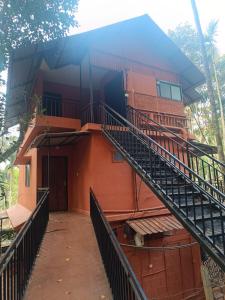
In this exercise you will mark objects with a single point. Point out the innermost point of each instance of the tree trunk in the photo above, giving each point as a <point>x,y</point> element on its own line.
<point>215,121</point>
<point>219,100</point>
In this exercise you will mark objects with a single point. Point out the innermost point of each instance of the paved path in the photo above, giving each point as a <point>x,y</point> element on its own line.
<point>69,265</point>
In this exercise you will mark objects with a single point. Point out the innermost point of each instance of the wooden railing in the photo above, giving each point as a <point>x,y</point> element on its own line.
<point>167,120</point>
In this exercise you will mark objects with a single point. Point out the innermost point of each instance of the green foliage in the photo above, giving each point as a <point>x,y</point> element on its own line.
<point>185,36</point>
<point>23,22</point>
<point>9,190</point>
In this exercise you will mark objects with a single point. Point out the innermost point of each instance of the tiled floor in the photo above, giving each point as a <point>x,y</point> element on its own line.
<point>69,265</point>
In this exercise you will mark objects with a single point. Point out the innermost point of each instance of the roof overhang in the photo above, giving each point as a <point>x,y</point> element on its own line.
<point>209,149</point>
<point>26,61</point>
<point>57,139</point>
<point>154,225</point>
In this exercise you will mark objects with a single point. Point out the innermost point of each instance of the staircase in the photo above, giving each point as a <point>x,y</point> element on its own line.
<point>170,172</point>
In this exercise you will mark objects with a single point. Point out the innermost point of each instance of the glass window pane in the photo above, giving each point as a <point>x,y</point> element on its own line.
<point>27,175</point>
<point>165,90</point>
<point>176,92</point>
<point>117,156</point>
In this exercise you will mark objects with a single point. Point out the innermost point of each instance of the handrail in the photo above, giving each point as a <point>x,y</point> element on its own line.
<point>122,278</point>
<point>176,135</point>
<point>16,263</point>
<point>211,170</point>
<point>172,157</point>
<point>196,204</point>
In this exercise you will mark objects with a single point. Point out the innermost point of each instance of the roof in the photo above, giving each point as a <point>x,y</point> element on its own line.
<point>25,61</point>
<point>54,139</point>
<point>199,147</point>
<point>154,225</point>
<point>18,215</point>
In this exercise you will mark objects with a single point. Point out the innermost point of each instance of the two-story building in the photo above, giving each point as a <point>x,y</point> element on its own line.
<point>69,88</point>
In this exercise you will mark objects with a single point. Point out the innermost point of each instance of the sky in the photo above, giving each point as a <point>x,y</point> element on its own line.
<point>166,13</point>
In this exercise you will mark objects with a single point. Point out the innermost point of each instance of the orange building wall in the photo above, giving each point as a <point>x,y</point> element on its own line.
<point>115,184</point>
<point>27,195</point>
<point>90,165</point>
<point>140,80</point>
<point>173,274</point>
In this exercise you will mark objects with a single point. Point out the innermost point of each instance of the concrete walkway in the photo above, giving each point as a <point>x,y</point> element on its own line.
<point>69,265</point>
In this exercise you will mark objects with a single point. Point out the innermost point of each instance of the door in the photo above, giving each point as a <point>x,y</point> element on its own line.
<point>114,94</point>
<point>58,198</point>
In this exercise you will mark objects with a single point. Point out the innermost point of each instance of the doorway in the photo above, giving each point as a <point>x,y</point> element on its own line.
<point>114,94</point>
<point>54,176</point>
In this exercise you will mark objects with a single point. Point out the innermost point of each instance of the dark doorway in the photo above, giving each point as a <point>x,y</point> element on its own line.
<point>57,166</point>
<point>114,94</point>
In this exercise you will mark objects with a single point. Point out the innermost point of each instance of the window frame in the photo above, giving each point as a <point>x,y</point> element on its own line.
<point>114,160</point>
<point>170,84</point>
<point>27,174</point>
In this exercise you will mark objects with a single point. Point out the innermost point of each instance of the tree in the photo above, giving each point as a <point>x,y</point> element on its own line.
<point>185,36</point>
<point>25,22</point>
<point>216,126</point>
<point>212,58</point>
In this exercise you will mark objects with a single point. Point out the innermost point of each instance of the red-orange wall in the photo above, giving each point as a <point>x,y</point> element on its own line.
<point>27,195</point>
<point>173,274</point>
<point>140,79</point>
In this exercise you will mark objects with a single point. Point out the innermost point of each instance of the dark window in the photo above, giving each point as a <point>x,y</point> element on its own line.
<point>117,157</point>
<point>27,175</point>
<point>168,90</point>
<point>52,104</point>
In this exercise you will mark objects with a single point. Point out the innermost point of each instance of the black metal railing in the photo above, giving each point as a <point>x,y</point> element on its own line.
<point>91,113</point>
<point>17,262</point>
<point>196,202</point>
<point>59,107</point>
<point>205,165</point>
<point>123,282</point>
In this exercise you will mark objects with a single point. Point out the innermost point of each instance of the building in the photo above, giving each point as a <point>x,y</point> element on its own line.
<point>102,106</point>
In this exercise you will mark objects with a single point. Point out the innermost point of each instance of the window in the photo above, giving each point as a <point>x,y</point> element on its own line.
<point>27,175</point>
<point>169,91</point>
<point>117,157</point>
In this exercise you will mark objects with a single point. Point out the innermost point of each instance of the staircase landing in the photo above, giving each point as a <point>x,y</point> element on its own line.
<point>69,265</point>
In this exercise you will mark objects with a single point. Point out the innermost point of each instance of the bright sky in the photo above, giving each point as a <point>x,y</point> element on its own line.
<point>166,13</point>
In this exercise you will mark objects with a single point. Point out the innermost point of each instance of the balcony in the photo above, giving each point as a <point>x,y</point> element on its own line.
<point>54,105</point>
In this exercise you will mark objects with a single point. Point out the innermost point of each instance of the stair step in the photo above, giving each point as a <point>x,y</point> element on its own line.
<point>215,215</point>
<point>191,202</point>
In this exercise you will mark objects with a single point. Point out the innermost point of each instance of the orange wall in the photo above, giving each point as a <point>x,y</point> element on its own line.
<point>173,274</point>
<point>90,164</point>
<point>140,79</point>
<point>27,195</point>
<point>115,184</point>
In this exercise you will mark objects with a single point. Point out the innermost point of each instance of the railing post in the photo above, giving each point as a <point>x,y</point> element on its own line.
<point>123,282</point>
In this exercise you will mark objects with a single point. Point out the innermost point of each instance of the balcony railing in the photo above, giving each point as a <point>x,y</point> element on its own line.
<point>17,262</point>
<point>122,279</point>
<point>65,107</point>
<point>167,119</point>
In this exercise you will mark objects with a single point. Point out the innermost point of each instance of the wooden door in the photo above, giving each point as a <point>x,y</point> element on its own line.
<point>58,198</point>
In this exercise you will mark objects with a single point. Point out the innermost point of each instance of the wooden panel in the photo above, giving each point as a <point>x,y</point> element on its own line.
<point>57,181</point>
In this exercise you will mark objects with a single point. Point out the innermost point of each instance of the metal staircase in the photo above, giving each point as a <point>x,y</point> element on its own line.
<point>196,201</point>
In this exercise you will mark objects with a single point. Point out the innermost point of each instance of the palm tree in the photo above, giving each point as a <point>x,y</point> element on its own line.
<point>213,54</point>
<point>212,98</point>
